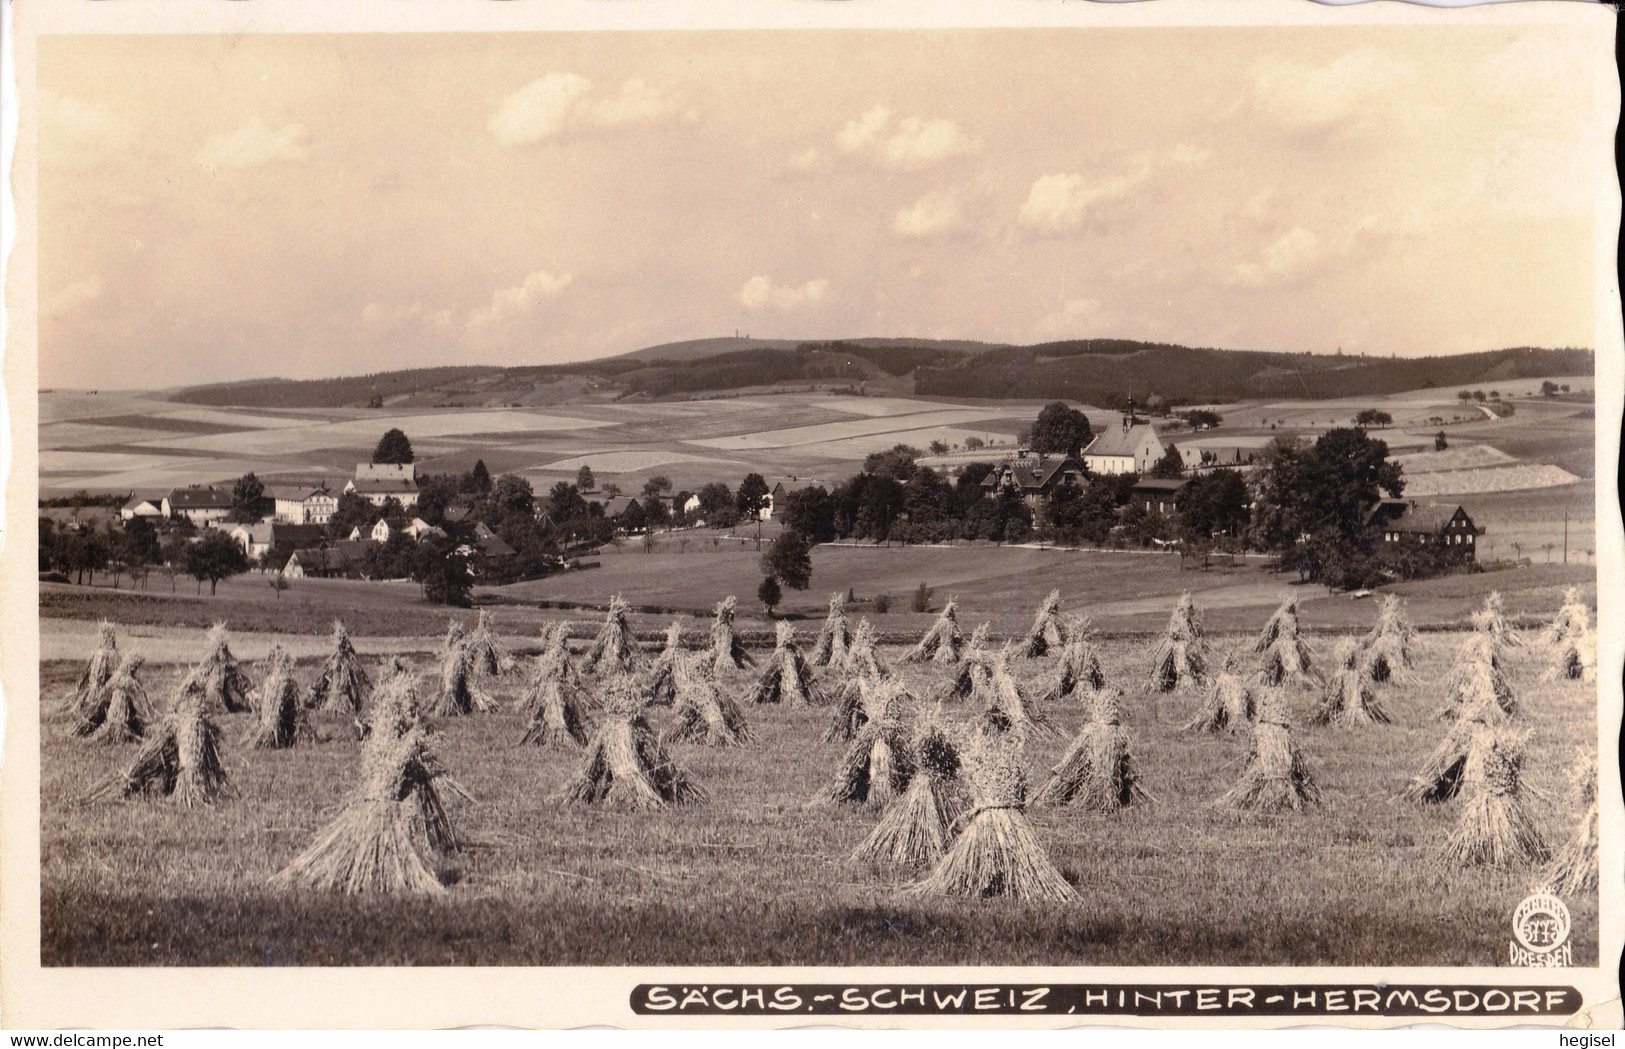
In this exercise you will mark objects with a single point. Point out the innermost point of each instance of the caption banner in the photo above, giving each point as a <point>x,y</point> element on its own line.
<point>1102,1000</point>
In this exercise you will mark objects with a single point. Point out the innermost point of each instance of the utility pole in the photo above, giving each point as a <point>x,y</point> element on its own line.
<point>1565,535</point>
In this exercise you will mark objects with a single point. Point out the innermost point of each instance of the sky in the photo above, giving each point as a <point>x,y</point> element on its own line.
<point>217,207</point>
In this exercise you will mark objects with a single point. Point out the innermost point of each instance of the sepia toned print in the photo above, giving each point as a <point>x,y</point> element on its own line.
<point>719,524</point>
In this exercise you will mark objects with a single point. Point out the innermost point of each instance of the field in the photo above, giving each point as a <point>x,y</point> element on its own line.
<point>756,875</point>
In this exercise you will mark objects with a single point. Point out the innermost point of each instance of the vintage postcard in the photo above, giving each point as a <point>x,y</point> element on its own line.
<point>754,515</point>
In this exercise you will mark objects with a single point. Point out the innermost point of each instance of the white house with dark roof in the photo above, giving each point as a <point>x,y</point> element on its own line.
<point>304,505</point>
<point>1033,476</point>
<point>138,505</point>
<point>1132,447</point>
<point>380,482</point>
<point>198,504</point>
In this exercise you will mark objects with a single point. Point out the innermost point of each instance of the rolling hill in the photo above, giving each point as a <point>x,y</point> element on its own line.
<point>1094,371</point>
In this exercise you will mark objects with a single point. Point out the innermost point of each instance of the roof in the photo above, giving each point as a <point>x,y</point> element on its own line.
<point>1032,471</point>
<point>383,486</point>
<point>1123,440</point>
<point>136,500</point>
<point>258,532</point>
<point>1161,484</point>
<point>794,484</point>
<point>283,532</point>
<point>1431,517</point>
<point>386,472</point>
<point>340,554</point>
<point>619,505</point>
<point>199,499</point>
<point>298,493</point>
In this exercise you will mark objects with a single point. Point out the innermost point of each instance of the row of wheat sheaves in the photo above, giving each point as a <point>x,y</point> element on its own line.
<point>950,787</point>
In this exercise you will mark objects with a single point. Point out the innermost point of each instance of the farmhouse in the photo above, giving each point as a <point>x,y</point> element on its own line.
<point>1158,495</point>
<point>1404,522</point>
<point>304,505</point>
<point>261,537</point>
<point>199,505</point>
<point>342,558</point>
<point>1033,476</point>
<point>380,482</point>
<point>1131,448</point>
<point>138,505</point>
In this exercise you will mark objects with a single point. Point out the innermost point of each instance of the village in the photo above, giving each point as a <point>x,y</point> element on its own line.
<point>1060,483</point>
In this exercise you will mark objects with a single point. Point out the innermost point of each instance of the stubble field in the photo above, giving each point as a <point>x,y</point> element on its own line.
<point>756,875</point>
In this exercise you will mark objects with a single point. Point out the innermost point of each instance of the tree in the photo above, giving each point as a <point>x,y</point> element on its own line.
<point>1439,443</point>
<point>1061,430</point>
<point>1313,501</point>
<point>564,503</point>
<point>513,498</point>
<point>612,490</point>
<point>1171,467</point>
<point>811,512</point>
<point>1213,504</point>
<point>393,447</point>
<point>279,583</point>
<point>789,560</point>
<point>443,570</point>
<point>769,593</point>
<point>478,480</point>
<point>938,447</point>
<point>752,497</point>
<point>247,499</point>
<point>1467,395</point>
<point>353,511</point>
<point>973,443</point>
<point>717,505</point>
<point>1202,418</point>
<point>584,478</point>
<point>1373,417</point>
<point>1548,388</point>
<point>897,462</point>
<point>215,557</point>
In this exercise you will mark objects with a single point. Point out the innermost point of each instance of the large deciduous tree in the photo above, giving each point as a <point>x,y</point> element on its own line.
<point>789,560</point>
<point>247,499</point>
<point>215,557</point>
<point>1313,501</point>
<point>393,447</point>
<point>1061,430</point>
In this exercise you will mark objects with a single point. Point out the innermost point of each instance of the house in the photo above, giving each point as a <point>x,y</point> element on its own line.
<point>389,526</point>
<point>1158,495</point>
<point>1033,476</point>
<point>380,482</point>
<point>419,528</point>
<point>626,512</point>
<point>200,505</point>
<point>342,558</point>
<point>261,537</point>
<point>304,505</point>
<point>1403,523</point>
<point>145,506</point>
<point>1132,447</point>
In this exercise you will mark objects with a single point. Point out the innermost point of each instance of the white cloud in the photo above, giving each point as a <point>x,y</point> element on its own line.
<point>761,293</point>
<point>562,102</point>
<point>932,214</point>
<point>254,144</point>
<point>1292,259</point>
<point>76,294</point>
<point>1313,98</point>
<point>910,143</point>
<point>509,303</point>
<point>807,159</point>
<point>1064,202</point>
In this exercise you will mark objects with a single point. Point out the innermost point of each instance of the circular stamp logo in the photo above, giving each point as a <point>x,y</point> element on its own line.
<point>1541,923</point>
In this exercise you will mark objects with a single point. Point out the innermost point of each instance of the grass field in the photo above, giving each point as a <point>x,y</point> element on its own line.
<point>756,876</point>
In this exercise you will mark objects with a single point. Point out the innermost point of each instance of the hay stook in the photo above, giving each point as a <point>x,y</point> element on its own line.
<point>1048,632</point>
<point>1180,659</point>
<point>914,831</point>
<point>878,764</point>
<point>119,711</point>
<point>787,679</point>
<point>997,854</point>
<point>179,758</point>
<point>1227,702</point>
<point>221,680</point>
<point>281,720</point>
<point>943,643</point>
<point>104,661</point>
<point>834,637</point>
<point>1287,659</point>
<point>1097,772</point>
<point>1350,696</point>
<point>704,714</point>
<point>554,700</point>
<point>1276,777</point>
<point>1003,708</point>
<point>1494,828</point>
<point>1573,869</point>
<point>1388,646</point>
<point>342,684</point>
<point>625,765</point>
<point>726,648</point>
<point>613,649</point>
<point>1078,670</point>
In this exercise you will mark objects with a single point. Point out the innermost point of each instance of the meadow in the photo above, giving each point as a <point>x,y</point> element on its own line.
<point>758,875</point>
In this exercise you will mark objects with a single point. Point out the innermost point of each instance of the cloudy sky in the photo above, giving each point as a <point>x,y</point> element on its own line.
<point>215,208</point>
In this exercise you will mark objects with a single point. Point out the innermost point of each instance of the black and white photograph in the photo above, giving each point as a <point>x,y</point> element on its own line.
<point>613,504</point>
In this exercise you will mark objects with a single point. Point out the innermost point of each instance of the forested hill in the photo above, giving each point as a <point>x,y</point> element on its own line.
<point>1095,371</point>
<point>1098,370</point>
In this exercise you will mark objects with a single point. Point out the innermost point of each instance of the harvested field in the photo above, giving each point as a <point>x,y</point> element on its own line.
<point>752,876</point>
<point>1490,479</point>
